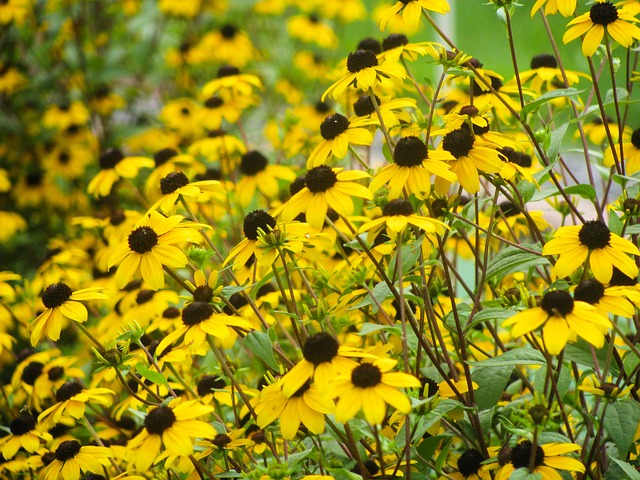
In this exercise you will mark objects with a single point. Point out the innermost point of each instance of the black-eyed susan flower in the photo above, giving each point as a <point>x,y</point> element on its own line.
<point>548,458</point>
<point>23,434</point>
<point>200,319</point>
<point>338,132</point>
<point>603,16</point>
<point>628,154</point>
<point>470,467</point>
<point>62,116</point>
<point>326,187</point>
<point>607,388</point>
<point>227,45</point>
<point>412,169</point>
<point>177,184</point>
<point>365,72</point>
<point>551,7</point>
<point>71,403</point>
<point>562,319</point>
<point>594,242</point>
<point>411,11</point>
<point>152,245</point>
<point>14,11</point>
<point>71,459</point>
<point>265,238</point>
<point>259,174</point>
<point>61,303</point>
<point>183,116</point>
<point>396,47</point>
<point>470,157</point>
<point>616,300</point>
<point>175,427</point>
<point>370,387</point>
<point>230,79</point>
<point>169,160</point>
<point>545,75</point>
<point>391,110</point>
<point>113,166</point>
<point>397,215</point>
<point>307,406</point>
<point>312,29</point>
<point>596,131</point>
<point>323,359</point>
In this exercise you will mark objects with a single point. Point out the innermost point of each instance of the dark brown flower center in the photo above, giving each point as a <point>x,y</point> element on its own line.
<point>366,375</point>
<point>68,390</point>
<point>22,424</point>
<point>56,294</point>
<point>163,156</point>
<point>590,291</point>
<point>142,239</point>
<point>370,44</point>
<point>159,419</point>
<point>203,293</point>
<point>398,206</point>
<point>320,348</point>
<point>361,59</point>
<point>144,296</point>
<point>196,312</point>
<point>594,234</point>
<point>394,40</point>
<point>110,158</point>
<point>458,142</point>
<point>410,152</point>
<point>173,182</point>
<point>469,462</point>
<point>229,31</point>
<point>333,125</point>
<point>320,179</point>
<point>221,440</point>
<point>635,138</point>
<point>558,303</point>
<point>256,221</point>
<point>544,60</point>
<point>67,450</point>
<point>364,106</point>
<point>521,455</point>
<point>252,163</point>
<point>208,383</point>
<point>603,13</point>
<point>31,372</point>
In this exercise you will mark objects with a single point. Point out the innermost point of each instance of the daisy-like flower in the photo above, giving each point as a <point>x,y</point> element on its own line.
<point>561,318</point>
<point>113,166</point>
<point>411,11</point>
<point>183,116</point>
<point>174,427</point>
<point>470,467</point>
<point>397,215</point>
<point>71,459</point>
<point>548,459</point>
<point>230,79</point>
<point>323,359</point>
<point>545,74</point>
<point>551,7</point>
<point>177,184</point>
<point>308,406</point>
<point>264,236</point>
<point>61,303</point>
<point>326,187</point>
<point>338,132</point>
<point>630,155</point>
<point>606,389</point>
<point>391,110</point>
<point>365,72</point>
<point>258,174</point>
<point>592,241</point>
<point>169,160</point>
<point>616,300</point>
<point>24,434</point>
<point>470,157</point>
<point>603,16</point>
<point>150,246</point>
<point>71,400</point>
<point>200,319</point>
<point>370,387</point>
<point>413,165</point>
<point>396,46</point>
<point>312,29</point>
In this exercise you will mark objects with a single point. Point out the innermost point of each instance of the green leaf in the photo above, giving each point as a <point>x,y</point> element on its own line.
<point>152,376</point>
<point>260,345</point>
<point>513,259</point>
<point>517,356</point>
<point>369,328</point>
<point>632,230</point>
<point>410,254</point>
<point>541,100</point>
<point>427,447</point>
<point>629,470</point>
<point>557,135</point>
<point>583,190</point>
<point>580,352</point>
<point>491,383</point>
<point>490,314</point>
<point>523,474</point>
<point>380,292</point>
<point>621,422</point>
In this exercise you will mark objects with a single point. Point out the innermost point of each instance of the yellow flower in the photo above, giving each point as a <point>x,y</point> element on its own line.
<point>562,319</point>
<point>71,399</point>
<point>150,246</point>
<point>259,174</point>
<point>311,29</point>
<point>548,459</point>
<point>61,303</point>
<point>628,154</point>
<point>365,73</point>
<point>176,184</point>
<point>411,11</point>
<point>24,434</point>
<point>551,7</point>
<point>592,241</point>
<point>603,16</point>
<point>113,165</point>
<point>326,187</point>
<point>174,426</point>
<point>369,387</point>
<point>71,459</point>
